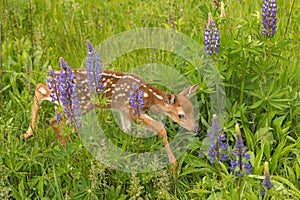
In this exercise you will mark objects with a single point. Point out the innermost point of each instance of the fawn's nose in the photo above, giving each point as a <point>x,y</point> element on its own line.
<point>196,130</point>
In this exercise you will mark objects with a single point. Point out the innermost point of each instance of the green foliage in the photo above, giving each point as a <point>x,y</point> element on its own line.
<point>260,74</point>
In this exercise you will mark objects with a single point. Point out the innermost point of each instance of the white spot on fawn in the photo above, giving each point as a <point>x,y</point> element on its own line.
<point>158,96</point>
<point>121,95</point>
<point>42,90</point>
<point>131,77</point>
<point>107,90</point>
<point>113,75</point>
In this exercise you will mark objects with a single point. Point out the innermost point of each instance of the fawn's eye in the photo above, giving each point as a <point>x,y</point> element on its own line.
<point>181,116</point>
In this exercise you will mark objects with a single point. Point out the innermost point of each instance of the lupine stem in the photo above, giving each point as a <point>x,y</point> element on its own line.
<point>289,19</point>
<point>242,86</point>
<point>286,27</point>
<point>241,169</point>
<point>243,81</point>
<point>218,160</point>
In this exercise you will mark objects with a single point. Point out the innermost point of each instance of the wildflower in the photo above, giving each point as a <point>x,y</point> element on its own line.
<point>67,93</point>
<point>58,116</point>
<point>223,13</point>
<point>269,11</point>
<point>52,85</point>
<point>136,100</point>
<point>211,37</point>
<point>240,164</point>
<point>267,184</point>
<point>63,91</point>
<point>94,69</point>
<point>219,145</point>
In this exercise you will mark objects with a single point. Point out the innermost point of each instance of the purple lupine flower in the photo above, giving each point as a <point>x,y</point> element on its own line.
<point>211,37</point>
<point>267,181</point>
<point>136,100</point>
<point>240,164</point>
<point>52,85</point>
<point>267,184</point>
<point>218,148</point>
<point>94,68</point>
<point>67,93</point>
<point>58,116</point>
<point>63,91</point>
<point>269,11</point>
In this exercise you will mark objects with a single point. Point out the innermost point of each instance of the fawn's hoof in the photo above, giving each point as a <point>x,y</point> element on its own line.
<point>175,167</point>
<point>27,135</point>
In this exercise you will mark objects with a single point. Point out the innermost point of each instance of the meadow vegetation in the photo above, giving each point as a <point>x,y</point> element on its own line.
<point>261,83</point>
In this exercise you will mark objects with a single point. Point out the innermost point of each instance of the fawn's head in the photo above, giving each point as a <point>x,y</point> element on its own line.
<point>181,110</point>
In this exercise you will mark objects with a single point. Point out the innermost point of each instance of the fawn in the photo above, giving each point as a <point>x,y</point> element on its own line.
<point>117,86</point>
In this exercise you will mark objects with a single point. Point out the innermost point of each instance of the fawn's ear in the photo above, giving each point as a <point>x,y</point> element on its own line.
<point>169,99</point>
<point>190,90</point>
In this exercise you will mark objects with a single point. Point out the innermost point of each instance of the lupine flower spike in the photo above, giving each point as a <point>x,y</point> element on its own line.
<point>269,11</point>
<point>240,164</point>
<point>52,84</point>
<point>53,87</point>
<point>211,37</point>
<point>218,148</point>
<point>223,13</point>
<point>136,100</point>
<point>67,93</point>
<point>63,91</point>
<point>267,184</point>
<point>94,68</point>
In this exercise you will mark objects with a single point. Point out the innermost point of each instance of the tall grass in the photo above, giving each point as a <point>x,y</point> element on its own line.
<point>260,74</point>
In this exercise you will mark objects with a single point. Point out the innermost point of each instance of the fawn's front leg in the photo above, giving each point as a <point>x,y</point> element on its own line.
<point>161,132</point>
<point>42,93</point>
<point>126,121</point>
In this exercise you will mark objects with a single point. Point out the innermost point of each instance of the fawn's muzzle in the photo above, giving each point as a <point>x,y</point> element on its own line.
<point>196,130</point>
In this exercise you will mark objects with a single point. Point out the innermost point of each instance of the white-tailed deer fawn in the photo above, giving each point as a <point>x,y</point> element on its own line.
<point>117,87</point>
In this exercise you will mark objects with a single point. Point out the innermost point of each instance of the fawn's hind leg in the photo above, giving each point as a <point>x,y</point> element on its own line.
<point>56,129</point>
<point>41,93</point>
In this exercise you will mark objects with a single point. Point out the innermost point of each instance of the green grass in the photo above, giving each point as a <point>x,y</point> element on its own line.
<point>260,75</point>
